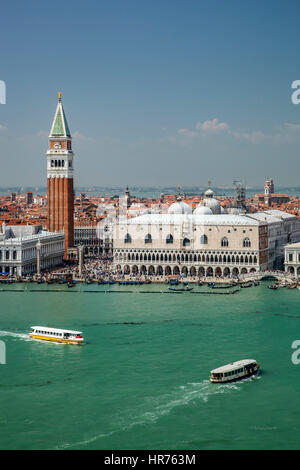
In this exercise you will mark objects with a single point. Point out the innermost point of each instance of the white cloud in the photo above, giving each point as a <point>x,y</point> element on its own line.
<point>77,135</point>
<point>283,134</point>
<point>187,132</point>
<point>292,127</point>
<point>212,126</point>
<point>253,137</point>
<point>202,129</point>
<point>3,128</point>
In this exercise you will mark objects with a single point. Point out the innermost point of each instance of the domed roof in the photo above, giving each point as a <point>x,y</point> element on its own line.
<point>209,193</point>
<point>235,211</point>
<point>179,207</point>
<point>202,210</point>
<point>212,204</point>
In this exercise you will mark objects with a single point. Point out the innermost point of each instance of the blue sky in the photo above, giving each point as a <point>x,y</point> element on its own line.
<point>155,92</point>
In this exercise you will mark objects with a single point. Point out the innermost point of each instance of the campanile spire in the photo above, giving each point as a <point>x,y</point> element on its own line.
<point>60,192</point>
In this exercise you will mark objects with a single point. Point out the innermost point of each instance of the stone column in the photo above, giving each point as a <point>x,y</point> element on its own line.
<point>38,258</point>
<point>80,259</point>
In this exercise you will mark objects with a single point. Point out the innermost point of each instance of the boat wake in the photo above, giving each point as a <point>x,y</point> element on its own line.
<point>22,336</point>
<point>153,408</point>
<point>190,393</point>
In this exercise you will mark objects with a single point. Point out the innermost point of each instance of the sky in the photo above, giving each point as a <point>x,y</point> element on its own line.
<point>160,92</point>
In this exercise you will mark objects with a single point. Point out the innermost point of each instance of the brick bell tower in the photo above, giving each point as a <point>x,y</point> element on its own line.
<point>60,190</point>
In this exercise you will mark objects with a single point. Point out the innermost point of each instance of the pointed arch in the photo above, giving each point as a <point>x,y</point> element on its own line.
<point>148,238</point>
<point>203,239</point>
<point>246,242</point>
<point>127,238</point>
<point>169,238</point>
<point>224,241</point>
<point>186,242</point>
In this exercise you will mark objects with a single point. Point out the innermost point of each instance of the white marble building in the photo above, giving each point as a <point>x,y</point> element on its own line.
<point>207,242</point>
<point>18,249</point>
<point>292,259</point>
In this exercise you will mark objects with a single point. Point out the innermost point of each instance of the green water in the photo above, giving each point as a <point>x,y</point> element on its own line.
<point>141,379</point>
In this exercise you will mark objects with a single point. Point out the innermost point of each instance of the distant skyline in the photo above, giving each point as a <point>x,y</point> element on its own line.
<point>156,93</point>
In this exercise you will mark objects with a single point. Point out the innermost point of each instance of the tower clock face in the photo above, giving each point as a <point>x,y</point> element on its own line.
<point>57,145</point>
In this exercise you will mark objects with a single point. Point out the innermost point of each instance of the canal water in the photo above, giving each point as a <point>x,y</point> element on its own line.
<point>141,379</point>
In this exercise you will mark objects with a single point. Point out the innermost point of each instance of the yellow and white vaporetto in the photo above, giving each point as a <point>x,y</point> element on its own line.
<point>56,334</point>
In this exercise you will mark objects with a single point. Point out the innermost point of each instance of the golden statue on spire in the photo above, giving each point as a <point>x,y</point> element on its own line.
<point>59,96</point>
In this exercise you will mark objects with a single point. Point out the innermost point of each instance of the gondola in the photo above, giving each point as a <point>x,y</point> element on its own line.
<point>180,289</point>
<point>244,286</point>
<point>221,286</point>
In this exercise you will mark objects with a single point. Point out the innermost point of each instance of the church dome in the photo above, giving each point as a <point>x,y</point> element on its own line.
<point>209,193</point>
<point>179,207</point>
<point>202,210</point>
<point>235,211</point>
<point>212,204</point>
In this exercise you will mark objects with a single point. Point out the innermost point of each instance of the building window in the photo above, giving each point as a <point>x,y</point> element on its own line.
<point>290,256</point>
<point>224,241</point>
<point>127,238</point>
<point>203,239</point>
<point>186,242</point>
<point>246,243</point>
<point>169,239</point>
<point>148,238</point>
<point>7,255</point>
<point>14,255</point>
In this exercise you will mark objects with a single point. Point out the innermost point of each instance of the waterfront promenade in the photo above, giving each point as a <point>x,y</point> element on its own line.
<point>97,271</point>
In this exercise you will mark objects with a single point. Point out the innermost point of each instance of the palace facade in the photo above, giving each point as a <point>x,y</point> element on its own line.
<point>26,249</point>
<point>207,242</point>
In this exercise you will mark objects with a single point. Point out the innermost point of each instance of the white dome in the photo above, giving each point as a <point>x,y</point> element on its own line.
<point>235,211</point>
<point>179,207</point>
<point>209,193</point>
<point>202,210</point>
<point>213,204</point>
